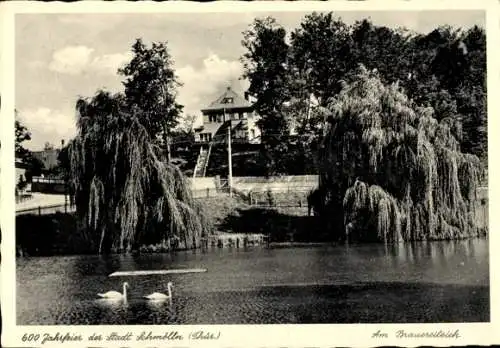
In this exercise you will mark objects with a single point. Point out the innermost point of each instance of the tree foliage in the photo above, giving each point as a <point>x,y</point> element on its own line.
<point>22,134</point>
<point>151,86</point>
<point>35,167</point>
<point>266,70</point>
<point>126,193</point>
<point>393,169</point>
<point>444,69</point>
<point>314,56</point>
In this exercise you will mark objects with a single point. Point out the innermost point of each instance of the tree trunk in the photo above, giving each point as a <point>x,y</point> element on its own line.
<point>166,139</point>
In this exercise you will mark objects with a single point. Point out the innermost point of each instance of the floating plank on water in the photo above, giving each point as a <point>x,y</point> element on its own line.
<point>159,271</point>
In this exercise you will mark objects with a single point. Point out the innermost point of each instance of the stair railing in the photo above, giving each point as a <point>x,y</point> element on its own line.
<point>205,166</point>
<point>197,160</point>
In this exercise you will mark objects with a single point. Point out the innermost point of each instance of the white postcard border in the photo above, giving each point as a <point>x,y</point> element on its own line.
<point>354,335</point>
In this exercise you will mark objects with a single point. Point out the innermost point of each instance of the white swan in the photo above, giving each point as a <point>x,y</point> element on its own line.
<point>156,296</point>
<point>115,295</point>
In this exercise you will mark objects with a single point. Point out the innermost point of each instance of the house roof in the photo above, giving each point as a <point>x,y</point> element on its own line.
<point>228,100</point>
<point>211,128</point>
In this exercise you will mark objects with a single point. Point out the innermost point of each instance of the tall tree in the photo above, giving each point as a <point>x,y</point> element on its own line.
<point>64,165</point>
<point>383,49</point>
<point>126,193</point>
<point>450,76</point>
<point>394,170</point>
<point>266,69</point>
<point>320,57</point>
<point>186,124</point>
<point>22,135</point>
<point>444,69</point>
<point>471,92</point>
<point>151,86</point>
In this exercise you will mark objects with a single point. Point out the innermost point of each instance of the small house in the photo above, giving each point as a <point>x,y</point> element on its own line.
<point>229,110</point>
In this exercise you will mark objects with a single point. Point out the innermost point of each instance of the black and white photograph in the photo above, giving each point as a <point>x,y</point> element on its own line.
<point>251,167</point>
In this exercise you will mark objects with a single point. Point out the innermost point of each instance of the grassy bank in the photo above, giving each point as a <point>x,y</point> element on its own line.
<point>279,223</point>
<point>234,220</point>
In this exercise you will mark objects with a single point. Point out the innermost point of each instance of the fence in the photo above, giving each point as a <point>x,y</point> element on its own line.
<point>202,183</point>
<point>49,209</point>
<point>249,183</point>
<point>275,184</point>
<point>287,195</point>
<point>283,197</point>
<point>205,193</point>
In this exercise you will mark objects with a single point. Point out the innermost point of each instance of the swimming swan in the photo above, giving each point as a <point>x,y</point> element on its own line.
<point>156,296</point>
<point>115,295</point>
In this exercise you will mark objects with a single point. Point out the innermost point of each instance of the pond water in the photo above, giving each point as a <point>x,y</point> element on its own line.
<point>372,283</point>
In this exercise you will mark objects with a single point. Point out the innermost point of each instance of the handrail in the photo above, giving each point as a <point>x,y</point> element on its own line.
<point>39,209</point>
<point>196,165</point>
<point>207,159</point>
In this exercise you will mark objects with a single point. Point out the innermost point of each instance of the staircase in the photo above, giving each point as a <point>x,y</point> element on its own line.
<point>202,163</point>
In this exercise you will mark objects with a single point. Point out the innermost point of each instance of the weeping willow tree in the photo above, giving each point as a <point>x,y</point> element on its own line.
<point>390,171</point>
<point>126,192</point>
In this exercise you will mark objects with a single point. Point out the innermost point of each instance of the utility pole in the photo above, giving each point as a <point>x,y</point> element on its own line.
<point>229,158</point>
<point>168,148</point>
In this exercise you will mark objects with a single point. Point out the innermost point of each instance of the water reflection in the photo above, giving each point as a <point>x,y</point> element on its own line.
<point>159,305</point>
<point>418,282</point>
<point>113,304</point>
<point>439,254</point>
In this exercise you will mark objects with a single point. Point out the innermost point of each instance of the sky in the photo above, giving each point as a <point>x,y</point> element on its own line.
<point>60,57</point>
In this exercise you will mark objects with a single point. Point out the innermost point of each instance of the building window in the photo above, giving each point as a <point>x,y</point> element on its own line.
<point>206,137</point>
<point>220,118</point>
<point>253,133</point>
<point>242,115</point>
<point>227,101</point>
<point>212,118</point>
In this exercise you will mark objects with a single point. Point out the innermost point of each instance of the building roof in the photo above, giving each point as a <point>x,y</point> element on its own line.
<point>228,100</point>
<point>214,128</point>
<point>211,128</point>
